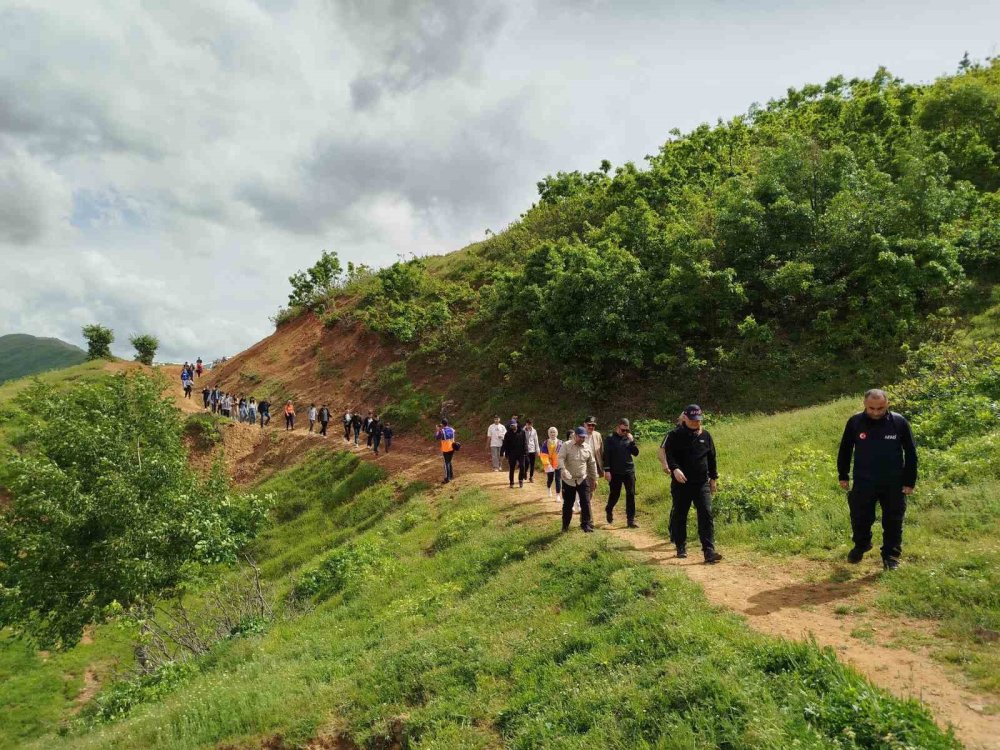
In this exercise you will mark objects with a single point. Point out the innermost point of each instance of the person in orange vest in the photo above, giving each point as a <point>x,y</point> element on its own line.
<point>445,436</point>
<point>549,453</point>
<point>289,416</point>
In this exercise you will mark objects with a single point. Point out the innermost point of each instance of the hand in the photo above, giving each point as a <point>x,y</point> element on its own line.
<point>713,485</point>
<point>679,476</point>
<point>593,484</point>
<point>907,490</point>
<point>630,438</point>
<point>607,476</point>
<point>845,485</point>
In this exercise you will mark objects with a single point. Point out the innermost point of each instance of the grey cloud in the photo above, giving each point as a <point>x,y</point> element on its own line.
<point>34,200</point>
<point>409,44</point>
<point>477,169</point>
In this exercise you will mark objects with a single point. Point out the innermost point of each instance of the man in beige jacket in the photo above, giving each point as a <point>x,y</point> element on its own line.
<point>579,477</point>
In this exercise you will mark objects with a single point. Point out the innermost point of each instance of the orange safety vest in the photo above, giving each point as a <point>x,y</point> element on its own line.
<point>447,444</point>
<point>289,409</point>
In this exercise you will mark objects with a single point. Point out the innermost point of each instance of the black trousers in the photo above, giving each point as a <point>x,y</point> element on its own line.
<point>529,466</point>
<point>376,439</point>
<point>862,502</point>
<point>388,443</point>
<point>683,496</point>
<point>516,463</point>
<point>322,427</point>
<point>347,431</point>
<point>615,490</point>
<point>570,494</point>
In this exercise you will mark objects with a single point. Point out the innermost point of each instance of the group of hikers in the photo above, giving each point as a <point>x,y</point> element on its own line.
<point>878,442</point>
<point>243,408</point>
<point>378,432</point>
<point>188,373</point>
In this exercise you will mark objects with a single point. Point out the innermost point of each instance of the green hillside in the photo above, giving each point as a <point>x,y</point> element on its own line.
<point>22,354</point>
<point>783,257</point>
<point>454,622</point>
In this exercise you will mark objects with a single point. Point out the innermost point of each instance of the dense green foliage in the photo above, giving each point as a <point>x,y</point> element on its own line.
<point>99,339</point>
<point>829,221</point>
<point>845,218</point>
<point>21,355</point>
<point>145,347</point>
<point>105,512</point>
<point>316,283</point>
<point>453,623</point>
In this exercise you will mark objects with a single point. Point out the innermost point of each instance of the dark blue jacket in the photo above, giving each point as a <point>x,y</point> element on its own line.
<point>883,450</point>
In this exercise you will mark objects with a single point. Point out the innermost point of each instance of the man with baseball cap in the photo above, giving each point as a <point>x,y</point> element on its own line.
<point>619,471</point>
<point>579,475</point>
<point>687,453</point>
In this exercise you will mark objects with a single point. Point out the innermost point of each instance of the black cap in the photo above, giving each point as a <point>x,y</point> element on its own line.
<point>590,420</point>
<point>693,412</point>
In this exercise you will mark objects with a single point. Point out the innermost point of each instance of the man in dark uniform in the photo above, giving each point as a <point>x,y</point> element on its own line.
<point>687,453</point>
<point>885,472</point>
<point>619,471</point>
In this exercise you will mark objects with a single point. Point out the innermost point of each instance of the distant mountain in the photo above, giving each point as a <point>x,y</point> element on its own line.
<point>22,354</point>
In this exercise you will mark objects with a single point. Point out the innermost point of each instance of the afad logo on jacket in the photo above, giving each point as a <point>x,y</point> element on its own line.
<point>863,436</point>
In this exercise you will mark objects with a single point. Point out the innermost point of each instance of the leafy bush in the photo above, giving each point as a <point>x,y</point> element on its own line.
<point>456,526</point>
<point>344,569</point>
<point>122,696</point>
<point>145,348</point>
<point>105,510</point>
<point>204,430</point>
<point>761,493</point>
<point>99,340</point>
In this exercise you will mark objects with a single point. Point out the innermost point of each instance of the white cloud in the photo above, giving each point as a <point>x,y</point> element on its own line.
<point>164,167</point>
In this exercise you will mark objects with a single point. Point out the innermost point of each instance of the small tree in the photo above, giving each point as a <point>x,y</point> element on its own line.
<point>316,283</point>
<point>145,347</point>
<point>99,341</point>
<point>106,514</point>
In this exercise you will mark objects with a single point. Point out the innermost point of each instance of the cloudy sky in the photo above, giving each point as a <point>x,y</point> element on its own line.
<point>165,166</point>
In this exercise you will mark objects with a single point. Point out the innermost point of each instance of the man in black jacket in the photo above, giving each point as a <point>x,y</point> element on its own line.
<point>514,448</point>
<point>687,453</point>
<point>619,471</point>
<point>324,419</point>
<point>885,472</point>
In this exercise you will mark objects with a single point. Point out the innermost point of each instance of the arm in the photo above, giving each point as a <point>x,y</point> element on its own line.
<point>592,469</point>
<point>844,456</point>
<point>713,468</point>
<point>909,455</point>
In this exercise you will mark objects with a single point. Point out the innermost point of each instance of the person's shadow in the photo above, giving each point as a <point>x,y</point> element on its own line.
<point>801,594</point>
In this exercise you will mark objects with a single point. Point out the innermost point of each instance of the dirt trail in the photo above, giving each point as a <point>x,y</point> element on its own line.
<point>774,598</point>
<point>781,601</point>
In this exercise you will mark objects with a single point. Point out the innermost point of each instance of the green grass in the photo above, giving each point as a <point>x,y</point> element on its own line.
<point>463,626</point>
<point>951,559</point>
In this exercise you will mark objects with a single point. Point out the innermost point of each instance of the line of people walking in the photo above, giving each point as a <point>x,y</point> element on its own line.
<point>878,442</point>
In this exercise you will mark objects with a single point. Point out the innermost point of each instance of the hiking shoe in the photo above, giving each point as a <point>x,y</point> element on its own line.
<point>682,552</point>
<point>711,558</point>
<point>588,529</point>
<point>890,563</point>
<point>610,516</point>
<point>512,485</point>
<point>565,529</point>
<point>633,525</point>
<point>857,554</point>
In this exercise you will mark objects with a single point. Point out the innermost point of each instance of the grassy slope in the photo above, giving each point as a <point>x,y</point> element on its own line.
<point>464,628</point>
<point>22,355</point>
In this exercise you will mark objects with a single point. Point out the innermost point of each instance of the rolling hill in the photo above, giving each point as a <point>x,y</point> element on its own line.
<point>22,354</point>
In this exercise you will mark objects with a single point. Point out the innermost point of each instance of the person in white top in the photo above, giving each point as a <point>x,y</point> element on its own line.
<point>531,449</point>
<point>312,416</point>
<point>494,441</point>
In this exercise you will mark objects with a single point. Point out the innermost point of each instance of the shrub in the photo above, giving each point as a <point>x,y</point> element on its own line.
<point>344,569</point>
<point>760,493</point>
